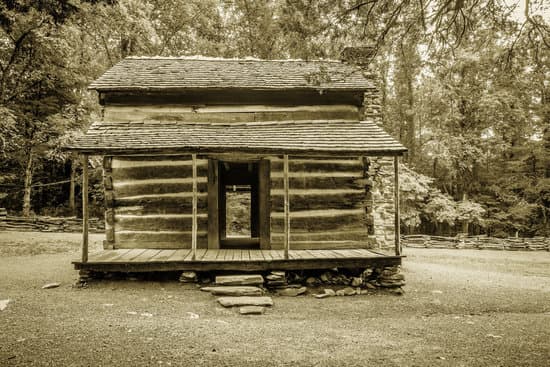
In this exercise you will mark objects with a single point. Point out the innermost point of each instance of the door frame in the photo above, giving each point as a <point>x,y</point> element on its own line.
<point>216,203</point>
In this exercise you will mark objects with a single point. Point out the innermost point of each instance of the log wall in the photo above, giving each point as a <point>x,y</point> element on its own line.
<point>328,202</point>
<point>229,114</point>
<point>149,202</point>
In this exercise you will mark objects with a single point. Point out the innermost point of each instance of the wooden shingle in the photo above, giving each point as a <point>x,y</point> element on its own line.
<point>172,73</point>
<point>292,137</point>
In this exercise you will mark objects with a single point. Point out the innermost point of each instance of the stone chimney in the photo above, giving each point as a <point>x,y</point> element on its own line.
<point>360,56</point>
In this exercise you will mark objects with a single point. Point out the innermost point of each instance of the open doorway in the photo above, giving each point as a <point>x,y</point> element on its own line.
<point>239,205</point>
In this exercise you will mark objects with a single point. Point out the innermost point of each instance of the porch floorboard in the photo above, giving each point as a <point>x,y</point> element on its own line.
<point>142,260</point>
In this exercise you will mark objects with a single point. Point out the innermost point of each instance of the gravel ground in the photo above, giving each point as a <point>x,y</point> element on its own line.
<point>461,308</point>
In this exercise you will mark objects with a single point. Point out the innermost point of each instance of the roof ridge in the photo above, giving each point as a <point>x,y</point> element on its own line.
<point>211,58</point>
<point>236,124</point>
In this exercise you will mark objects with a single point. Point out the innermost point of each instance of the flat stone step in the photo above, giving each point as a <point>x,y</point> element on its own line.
<point>245,301</point>
<point>251,310</point>
<point>246,279</point>
<point>234,290</point>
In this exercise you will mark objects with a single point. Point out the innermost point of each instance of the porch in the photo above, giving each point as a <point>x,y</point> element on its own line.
<point>144,260</point>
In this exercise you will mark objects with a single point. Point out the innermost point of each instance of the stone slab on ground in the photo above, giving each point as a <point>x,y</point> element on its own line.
<point>233,290</point>
<point>245,301</point>
<point>251,310</point>
<point>245,279</point>
<point>51,285</point>
<point>292,292</point>
<point>322,295</point>
<point>346,292</point>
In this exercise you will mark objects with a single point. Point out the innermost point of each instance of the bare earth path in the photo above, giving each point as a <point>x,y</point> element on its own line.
<point>461,308</point>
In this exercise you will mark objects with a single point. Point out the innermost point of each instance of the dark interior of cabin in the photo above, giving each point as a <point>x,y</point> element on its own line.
<point>238,186</point>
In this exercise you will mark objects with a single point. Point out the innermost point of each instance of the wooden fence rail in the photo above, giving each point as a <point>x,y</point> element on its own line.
<point>477,242</point>
<point>49,224</point>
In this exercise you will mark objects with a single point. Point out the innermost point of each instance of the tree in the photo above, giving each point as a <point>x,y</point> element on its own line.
<point>38,78</point>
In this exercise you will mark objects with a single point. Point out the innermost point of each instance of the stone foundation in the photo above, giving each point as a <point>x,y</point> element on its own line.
<point>344,281</point>
<point>387,278</point>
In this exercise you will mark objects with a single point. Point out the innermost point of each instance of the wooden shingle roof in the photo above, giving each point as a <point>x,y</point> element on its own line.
<point>288,137</point>
<point>169,73</point>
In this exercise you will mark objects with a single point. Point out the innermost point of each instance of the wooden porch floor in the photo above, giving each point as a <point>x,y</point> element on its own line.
<point>141,260</point>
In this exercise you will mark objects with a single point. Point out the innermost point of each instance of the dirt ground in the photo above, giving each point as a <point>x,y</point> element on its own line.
<point>461,308</point>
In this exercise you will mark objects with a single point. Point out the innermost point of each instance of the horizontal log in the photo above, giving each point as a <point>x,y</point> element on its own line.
<point>299,201</point>
<point>359,235</point>
<point>322,245</point>
<point>306,183</point>
<point>245,113</point>
<point>332,213</point>
<point>320,166</point>
<point>319,174</point>
<point>157,172</point>
<point>154,161</point>
<point>202,242</point>
<point>156,186</point>
<point>239,97</point>
<point>156,237</point>
<point>178,108</point>
<point>159,222</point>
<point>320,221</point>
<point>160,204</point>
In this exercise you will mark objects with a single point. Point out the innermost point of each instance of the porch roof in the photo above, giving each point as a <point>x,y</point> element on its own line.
<point>279,137</point>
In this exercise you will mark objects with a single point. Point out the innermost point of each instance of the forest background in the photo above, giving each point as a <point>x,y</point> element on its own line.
<point>465,86</point>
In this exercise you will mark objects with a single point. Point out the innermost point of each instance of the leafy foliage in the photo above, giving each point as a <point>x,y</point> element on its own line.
<point>465,85</point>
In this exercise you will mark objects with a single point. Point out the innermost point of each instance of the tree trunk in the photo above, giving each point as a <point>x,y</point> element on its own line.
<point>410,118</point>
<point>465,226</point>
<point>27,190</point>
<point>72,205</point>
<point>465,222</point>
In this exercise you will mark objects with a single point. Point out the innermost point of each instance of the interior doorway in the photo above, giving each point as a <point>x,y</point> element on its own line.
<point>239,205</point>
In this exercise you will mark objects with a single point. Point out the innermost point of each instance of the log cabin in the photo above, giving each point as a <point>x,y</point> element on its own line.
<point>300,139</point>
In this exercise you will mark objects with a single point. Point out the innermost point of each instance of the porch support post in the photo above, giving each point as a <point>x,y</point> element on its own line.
<point>84,208</point>
<point>287,206</point>
<point>194,216</point>
<point>396,200</point>
<point>213,204</point>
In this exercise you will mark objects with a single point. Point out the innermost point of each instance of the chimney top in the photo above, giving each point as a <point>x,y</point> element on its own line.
<point>361,56</point>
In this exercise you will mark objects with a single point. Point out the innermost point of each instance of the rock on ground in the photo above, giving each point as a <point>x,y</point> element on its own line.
<point>188,277</point>
<point>51,285</point>
<point>292,292</point>
<point>232,290</point>
<point>356,281</point>
<point>330,292</point>
<point>251,310</point>
<point>322,295</point>
<point>345,292</point>
<point>247,279</point>
<point>245,301</point>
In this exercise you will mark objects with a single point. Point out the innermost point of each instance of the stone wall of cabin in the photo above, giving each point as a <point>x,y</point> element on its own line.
<point>381,203</point>
<point>149,202</point>
<point>380,174</point>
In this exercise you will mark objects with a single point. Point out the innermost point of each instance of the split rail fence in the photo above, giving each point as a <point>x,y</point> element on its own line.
<point>477,242</point>
<point>48,224</point>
